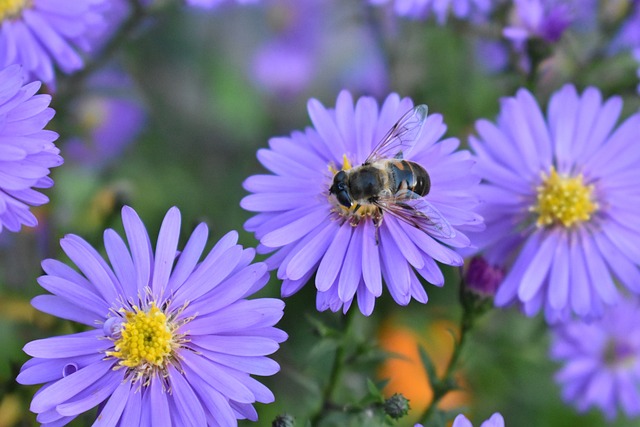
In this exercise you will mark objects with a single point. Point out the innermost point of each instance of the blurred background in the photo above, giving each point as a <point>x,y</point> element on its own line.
<point>172,112</point>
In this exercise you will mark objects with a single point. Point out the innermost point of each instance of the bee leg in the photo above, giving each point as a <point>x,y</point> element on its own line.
<point>377,222</point>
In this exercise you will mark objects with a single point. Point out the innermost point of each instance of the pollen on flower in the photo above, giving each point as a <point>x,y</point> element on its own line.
<point>563,200</point>
<point>12,8</point>
<point>346,165</point>
<point>146,338</point>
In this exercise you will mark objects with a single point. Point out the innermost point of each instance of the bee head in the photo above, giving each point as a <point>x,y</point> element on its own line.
<point>340,189</point>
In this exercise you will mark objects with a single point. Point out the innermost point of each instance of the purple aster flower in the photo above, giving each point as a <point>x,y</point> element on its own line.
<point>303,39</point>
<point>544,19</point>
<point>483,278</point>
<point>601,361</point>
<point>629,36</point>
<point>313,232</point>
<point>560,201</point>
<point>27,151</point>
<point>210,4</point>
<point>422,9</point>
<point>107,118</point>
<point>170,340</point>
<point>286,63</point>
<point>43,34</point>
<point>496,420</point>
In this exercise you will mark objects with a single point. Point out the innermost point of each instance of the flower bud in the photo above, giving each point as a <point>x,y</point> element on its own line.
<point>482,278</point>
<point>397,406</point>
<point>284,420</point>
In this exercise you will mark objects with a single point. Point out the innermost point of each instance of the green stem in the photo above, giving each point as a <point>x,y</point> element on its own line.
<point>336,372</point>
<point>447,381</point>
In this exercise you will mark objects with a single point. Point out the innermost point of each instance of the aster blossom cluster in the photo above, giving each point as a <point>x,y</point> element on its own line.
<point>166,344</point>
<point>368,204</point>
<point>421,9</point>
<point>43,34</point>
<point>496,420</point>
<point>557,193</point>
<point>313,234</point>
<point>211,4</point>
<point>27,151</point>
<point>601,361</point>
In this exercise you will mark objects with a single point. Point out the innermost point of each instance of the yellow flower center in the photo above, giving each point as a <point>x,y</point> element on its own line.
<point>146,339</point>
<point>12,8</point>
<point>564,200</point>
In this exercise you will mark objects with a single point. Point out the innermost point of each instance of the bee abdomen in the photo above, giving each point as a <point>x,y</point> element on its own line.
<point>410,176</point>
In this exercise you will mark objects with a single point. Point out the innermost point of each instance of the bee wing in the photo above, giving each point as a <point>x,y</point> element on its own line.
<point>401,136</point>
<point>413,209</point>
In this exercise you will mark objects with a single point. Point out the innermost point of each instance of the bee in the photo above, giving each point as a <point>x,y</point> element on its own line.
<point>386,183</point>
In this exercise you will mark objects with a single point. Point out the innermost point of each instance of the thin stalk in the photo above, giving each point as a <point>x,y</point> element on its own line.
<point>336,372</point>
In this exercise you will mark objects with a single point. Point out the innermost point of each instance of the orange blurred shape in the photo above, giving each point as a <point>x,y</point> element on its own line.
<point>404,369</point>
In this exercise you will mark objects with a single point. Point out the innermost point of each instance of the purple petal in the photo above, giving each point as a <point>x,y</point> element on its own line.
<point>140,246</point>
<point>296,229</point>
<point>79,344</point>
<point>254,365</point>
<point>121,262</point>
<point>160,415</point>
<point>282,164</point>
<point>93,395</point>
<point>69,386</point>
<point>598,271</point>
<point>508,290</point>
<point>371,260</point>
<point>332,260</point>
<point>209,274</point>
<point>185,399</point>
<point>228,292</point>
<point>365,114</point>
<point>241,315</point>
<point>218,378</point>
<point>366,300</point>
<point>133,409</point>
<point>351,272</point>
<point>38,371</point>
<point>535,275</point>
<point>189,257</point>
<point>92,266</point>
<point>110,414</point>
<point>215,404</point>
<point>304,259</point>
<point>237,345</point>
<point>406,246</point>
<point>580,293</point>
<point>57,306</point>
<point>326,127</point>
<point>558,292</point>
<point>166,249</point>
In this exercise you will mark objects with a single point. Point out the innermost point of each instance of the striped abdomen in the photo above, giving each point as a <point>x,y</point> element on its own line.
<point>410,176</point>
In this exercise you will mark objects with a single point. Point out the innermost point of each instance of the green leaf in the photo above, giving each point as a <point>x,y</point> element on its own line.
<point>374,390</point>
<point>429,367</point>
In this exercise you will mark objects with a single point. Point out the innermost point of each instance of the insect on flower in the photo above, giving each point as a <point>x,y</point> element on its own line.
<point>321,207</point>
<point>386,183</point>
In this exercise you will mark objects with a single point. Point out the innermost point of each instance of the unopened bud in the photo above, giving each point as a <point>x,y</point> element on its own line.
<point>483,278</point>
<point>397,406</point>
<point>284,420</point>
